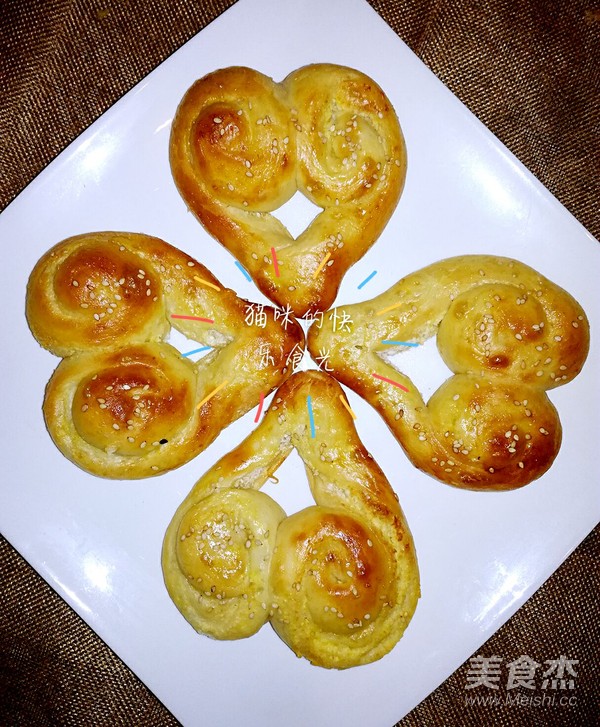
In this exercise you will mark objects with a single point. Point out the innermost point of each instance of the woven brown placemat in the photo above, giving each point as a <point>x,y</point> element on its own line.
<point>529,70</point>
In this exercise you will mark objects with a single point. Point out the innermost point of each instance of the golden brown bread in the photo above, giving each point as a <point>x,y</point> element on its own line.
<point>506,332</point>
<point>241,145</point>
<point>338,580</point>
<point>124,403</point>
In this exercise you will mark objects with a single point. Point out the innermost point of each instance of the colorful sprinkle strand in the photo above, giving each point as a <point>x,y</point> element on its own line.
<point>205,282</point>
<point>389,308</point>
<point>196,350</point>
<point>345,403</point>
<point>275,263</point>
<point>366,280</point>
<point>193,318</point>
<point>245,273</point>
<point>390,381</point>
<point>212,393</point>
<point>399,343</point>
<point>260,408</point>
<point>311,417</point>
<point>321,265</point>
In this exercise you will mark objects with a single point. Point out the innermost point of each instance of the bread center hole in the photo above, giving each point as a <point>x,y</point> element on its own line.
<point>297,214</point>
<point>422,364</point>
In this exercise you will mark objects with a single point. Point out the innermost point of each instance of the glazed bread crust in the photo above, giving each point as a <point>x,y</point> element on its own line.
<point>124,403</point>
<point>241,145</point>
<point>338,580</point>
<point>507,333</point>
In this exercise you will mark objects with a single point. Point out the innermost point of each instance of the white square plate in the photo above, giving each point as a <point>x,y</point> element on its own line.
<point>98,542</point>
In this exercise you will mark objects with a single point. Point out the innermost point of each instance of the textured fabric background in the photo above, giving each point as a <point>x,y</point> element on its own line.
<point>529,69</point>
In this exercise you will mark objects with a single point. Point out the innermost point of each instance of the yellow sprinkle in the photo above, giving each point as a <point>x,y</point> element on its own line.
<point>321,265</point>
<point>389,308</point>
<point>345,403</point>
<point>212,393</point>
<point>205,282</point>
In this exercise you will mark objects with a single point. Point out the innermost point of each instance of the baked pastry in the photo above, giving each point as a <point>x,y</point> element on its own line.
<point>241,145</point>
<point>123,402</point>
<point>338,580</point>
<point>506,332</point>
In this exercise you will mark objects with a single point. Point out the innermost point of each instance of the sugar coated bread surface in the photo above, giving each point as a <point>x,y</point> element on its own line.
<point>507,333</point>
<point>242,145</point>
<point>338,580</point>
<point>124,403</point>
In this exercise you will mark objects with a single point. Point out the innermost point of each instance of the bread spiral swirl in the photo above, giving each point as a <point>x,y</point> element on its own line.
<point>506,332</point>
<point>123,402</point>
<point>241,145</point>
<point>338,580</point>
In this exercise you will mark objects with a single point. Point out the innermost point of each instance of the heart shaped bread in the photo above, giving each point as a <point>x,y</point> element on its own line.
<point>123,402</point>
<point>506,332</point>
<point>338,580</point>
<point>242,145</point>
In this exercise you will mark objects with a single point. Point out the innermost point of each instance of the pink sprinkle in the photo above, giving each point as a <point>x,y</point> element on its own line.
<point>275,263</point>
<point>193,318</point>
<point>260,408</point>
<point>390,381</point>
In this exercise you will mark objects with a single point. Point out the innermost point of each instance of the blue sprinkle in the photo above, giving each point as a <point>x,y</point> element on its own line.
<point>366,280</point>
<point>196,350</point>
<point>399,343</point>
<point>310,416</point>
<point>244,271</point>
